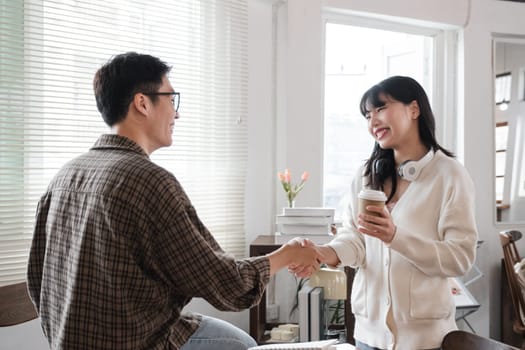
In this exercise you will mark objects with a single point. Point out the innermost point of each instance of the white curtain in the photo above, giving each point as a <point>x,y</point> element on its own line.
<point>49,53</point>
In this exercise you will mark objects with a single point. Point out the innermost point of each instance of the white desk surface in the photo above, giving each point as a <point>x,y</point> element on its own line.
<point>462,296</point>
<point>314,345</point>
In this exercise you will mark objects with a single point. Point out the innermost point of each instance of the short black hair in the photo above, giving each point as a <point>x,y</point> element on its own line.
<point>116,83</point>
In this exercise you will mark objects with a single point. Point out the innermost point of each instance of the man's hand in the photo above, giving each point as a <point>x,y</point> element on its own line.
<point>296,252</point>
<point>326,253</point>
<point>301,269</point>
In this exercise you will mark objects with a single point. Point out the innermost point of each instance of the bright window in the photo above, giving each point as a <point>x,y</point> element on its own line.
<point>503,88</point>
<point>356,58</point>
<point>49,53</point>
<point>501,137</point>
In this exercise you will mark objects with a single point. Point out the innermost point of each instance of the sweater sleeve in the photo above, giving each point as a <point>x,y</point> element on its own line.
<point>451,250</point>
<point>349,244</point>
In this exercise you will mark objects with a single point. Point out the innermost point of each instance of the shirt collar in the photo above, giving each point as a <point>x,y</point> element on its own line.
<point>112,141</point>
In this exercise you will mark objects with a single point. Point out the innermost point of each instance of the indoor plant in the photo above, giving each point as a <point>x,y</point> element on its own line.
<point>291,189</point>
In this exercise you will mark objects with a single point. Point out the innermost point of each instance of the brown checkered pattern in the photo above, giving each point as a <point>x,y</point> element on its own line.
<point>118,251</point>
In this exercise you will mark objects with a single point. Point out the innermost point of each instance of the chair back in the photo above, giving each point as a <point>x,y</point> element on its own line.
<point>462,340</point>
<point>510,258</point>
<point>15,305</point>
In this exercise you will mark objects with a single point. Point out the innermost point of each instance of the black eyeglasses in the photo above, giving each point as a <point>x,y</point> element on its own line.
<point>175,100</point>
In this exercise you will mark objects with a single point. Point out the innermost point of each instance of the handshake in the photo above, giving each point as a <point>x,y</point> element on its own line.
<point>301,256</point>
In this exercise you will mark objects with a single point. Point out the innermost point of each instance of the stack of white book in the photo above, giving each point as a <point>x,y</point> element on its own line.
<point>311,313</point>
<point>305,221</point>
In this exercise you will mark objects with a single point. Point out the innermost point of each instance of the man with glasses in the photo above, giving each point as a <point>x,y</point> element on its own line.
<point>118,249</point>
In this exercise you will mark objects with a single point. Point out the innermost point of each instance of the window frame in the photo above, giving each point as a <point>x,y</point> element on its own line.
<point>444,87</point>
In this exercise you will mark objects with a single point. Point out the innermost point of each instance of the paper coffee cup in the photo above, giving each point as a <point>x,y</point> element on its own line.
<point>370,197</point>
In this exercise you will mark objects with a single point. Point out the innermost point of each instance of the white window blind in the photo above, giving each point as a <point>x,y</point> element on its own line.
<point>49,53</point>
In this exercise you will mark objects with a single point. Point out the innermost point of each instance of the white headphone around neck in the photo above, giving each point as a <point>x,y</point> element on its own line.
<point>409,170</point>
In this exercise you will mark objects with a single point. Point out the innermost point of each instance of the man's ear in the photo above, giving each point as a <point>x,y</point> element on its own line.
<point>141,103</point>
<point>414,109</point>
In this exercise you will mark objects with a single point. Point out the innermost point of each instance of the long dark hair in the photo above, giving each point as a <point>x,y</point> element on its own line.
<point>381,164</point>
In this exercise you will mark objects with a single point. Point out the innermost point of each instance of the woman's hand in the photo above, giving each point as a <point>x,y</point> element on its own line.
<point>381,226</point>
<point>326,254</point>
<point>302,270</point>
<point>305,256</point>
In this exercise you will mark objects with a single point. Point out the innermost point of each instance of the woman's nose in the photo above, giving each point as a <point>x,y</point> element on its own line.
<point>372,118</point>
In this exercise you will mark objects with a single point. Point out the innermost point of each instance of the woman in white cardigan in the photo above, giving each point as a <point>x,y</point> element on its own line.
<point>426,234</point>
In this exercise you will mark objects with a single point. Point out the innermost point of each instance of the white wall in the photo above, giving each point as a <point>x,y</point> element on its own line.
<point>486,17</point>
<point>27,336</point>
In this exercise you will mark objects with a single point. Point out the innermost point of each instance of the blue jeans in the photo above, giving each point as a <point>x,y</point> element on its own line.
<point>362,346</point>
<point>218,335</point>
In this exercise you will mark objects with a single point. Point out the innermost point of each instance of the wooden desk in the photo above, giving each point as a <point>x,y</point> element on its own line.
<point>267,244</point>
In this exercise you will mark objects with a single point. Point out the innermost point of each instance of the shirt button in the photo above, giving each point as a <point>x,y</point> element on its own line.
<point>386,262</point>
<point>387,301</point>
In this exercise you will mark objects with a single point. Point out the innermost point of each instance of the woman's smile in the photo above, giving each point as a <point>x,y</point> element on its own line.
<point>380,133</point>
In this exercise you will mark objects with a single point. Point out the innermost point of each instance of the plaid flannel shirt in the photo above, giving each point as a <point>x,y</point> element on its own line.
<point>118,251</point>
